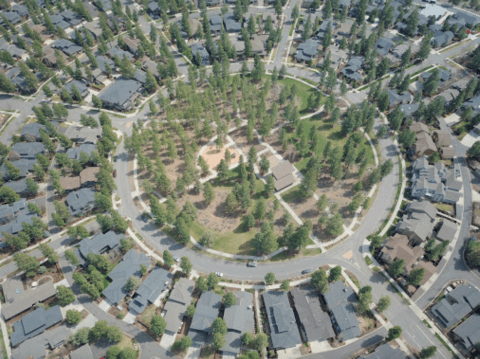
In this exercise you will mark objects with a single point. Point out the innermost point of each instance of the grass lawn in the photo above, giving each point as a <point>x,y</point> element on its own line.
<point>327,132</point>
<point>126,342</point>
<point>148,314</point>
<point>444,207</point>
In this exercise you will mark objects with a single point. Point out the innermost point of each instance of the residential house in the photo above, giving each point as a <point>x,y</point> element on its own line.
<point>71,17</point>
<point>128,267</point>
<point>132,45</point>
<point>84,352</point>
<point>39,346</point>
<point>28,150</point>
<point>231,24</point>
<point>396,99</point>
<point>156,283</point>
<point>435,11</point>
<point>49,57</point>
<point>20,187</point>
<point>80,85</point>
<point>9,212</point>
<point>88,176</point>
<point>94,28</point>
<point>283,328</point>
<point>13,226</point>
<point>444,75</point>
<point>449,95</point>
<point>101,243</point>
<point>283,175</point>
<point>456,305</point>
<point>121,94</point>
<point>200,54</point>
<point>12,16</point>
<point>208,307</point>
<point>351,71</point>
<point>474,103</point>
<point>447,152</point>
<point>383,46</point>
<point>216,23</point>
<point>86,148</point>
<point>68,47</point>
<point>116,51</point>
<point>419,127</point>
<point>239,319</point>
<point>340,301</point>
<point>385,351</point>
<point>259,44</point>
<point>31,132</point>
<point>447,231</point>
<point>315,324</point>
<point>21,10</point>
<point>35,323</point>
<point>423,146</point>
<point>154,10</point>
<point>306,51</point>
<point>418,221</point>
<point>70,183</point>
<point>441,38</point>
<point>18,299</point>
<point>176,306</point>
<point>81,201</point>
<point>409,110</point>
<point>468,333</point>
<point>82,135</point>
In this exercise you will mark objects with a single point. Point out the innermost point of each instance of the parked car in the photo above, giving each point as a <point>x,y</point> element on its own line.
<point>145,219</point>
<point>252,264</point>
<point>176,259</point>
<point>115,159</point>
<point>219,274</point>
<point>306,271</point>
<point>114,173</point>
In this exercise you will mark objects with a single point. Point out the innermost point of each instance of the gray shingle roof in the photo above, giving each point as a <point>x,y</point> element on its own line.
<point>383,46</point>
<point>150,289</point>
<point>206,311</point>
<point>120,92</point>
<point>80,85</point>
<point>35,323</point>
<point>339,300</point>
<point>99,243</point>
<point>239,319</point>
<point>84,352</point>
<point>315,322</point>
<point>32,130</point>
<point>447,231</point>
<point>35,348</point>
<point>19,186</point>
<point>28,150</point>
<point>180,297</point>
<point>128,267</point>
<point>385,351</point>
<point>26,298</point>
<point>74,152</point>
<point>80,201</point>
<point>469,331</point>
<point>456,305</point>
<point>24,165</point>
<point>281,319</point>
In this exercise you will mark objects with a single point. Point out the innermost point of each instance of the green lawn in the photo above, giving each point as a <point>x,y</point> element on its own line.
<point>304,91</point>
<point>328,132</point>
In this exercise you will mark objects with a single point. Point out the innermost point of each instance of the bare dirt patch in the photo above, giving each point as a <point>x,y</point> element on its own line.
<point>239,136</point>
<point>213,155</point>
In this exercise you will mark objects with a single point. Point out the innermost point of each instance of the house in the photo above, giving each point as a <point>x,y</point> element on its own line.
<point>208,307</point>
<point>20,187</point>
<point>94,28</point>
<point>447,152</point>
<point>71,17</point>
<point>128,267</point>
<point>449,95</point>
<point>474,103</point>
<point>419,127</point>
<point>9,212</point>
<point>216,23</point>
<point>200,54</point>
<point>84,352</point>
<point>157,282</point>
<point>352,69</point>
<point>423,146</point>
<point>81,201</point>
<point>69,183</point>
<point>15,225</point>
<point>409,109</point>
<point>284,332</point>
<point>231,24</point>
<point>18,300</point>
<point>385,351</point>
<point>383,46</point>
<point>31,132</point>
<point>418,221</point>
<point>456,305</point>
<point>115,51</point>
<point>315,324</point>
<point>468,333</point>
<point>447,231</point>
<point>435,11</point>
<point>24,165</point>
<point>101,243</point>
<point>154,10</point>
<point>37,347</point>
<point>444,75</point>
<point>28,150</point>
<point>49,57</point>
<point>80,85</point>
<point>283,174</point>
<point>463,18</point>
<point>12,16</point>
<point>66,46</point>
<point>131,45</point>
<point>86,135</point>
<point>441,38</point>
<point>176,306</point>
<point>88,176</point>
<point>21,10</point>
<point>306,51</point>
<point>212,2</point>
<point>259,44</point>
<point>239,319</point>
<point>121,94</point>
<point>87,148</point>
<point>340,301</point>
<point>396,99</point>
<point>35,323</point>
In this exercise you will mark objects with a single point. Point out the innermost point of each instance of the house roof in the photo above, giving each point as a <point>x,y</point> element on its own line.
<point>447,152</point>
<point>89,174</point>
<point>80,85</point>
<point>26,298</point>
<point>19,186</point>
<point>281,319</point>
<point>469,331</point>
<point>239,319</point>
<point>444,75</point>
<point>120,53</point>
<point>28,149</point>
<point>8,212</point>
<point>423,143</point>
<point>35,348</point>
<point>398,247</point>
<point>394,97</point>
<point>180,297</point>
<point>433,10</point>
<point>32,129</point>
<point>447,231</point>
<point>128,267</point>
<point>150,289</point>
<point>80,200</point>
<point>316,323</point>
<point>474,103</point>
<point>121,91</point>
<point>86,134</point>
<point>207,310</point>
<point>385,351</point>
<point>70,183</point>
<point>409,109</point>
<point>282,169</point>
<point>383,46</point>
<point>456,305</point>
<point>84,352</point>
<point>422,207</point>
<point>99,243</point>
<point>34,323</point>
<point>284,182</point>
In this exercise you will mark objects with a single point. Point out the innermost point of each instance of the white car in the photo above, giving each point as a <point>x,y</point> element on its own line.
<point>219,274</point>
<point>176,259</point>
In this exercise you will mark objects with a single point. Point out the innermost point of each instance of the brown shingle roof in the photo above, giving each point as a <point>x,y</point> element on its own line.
<point>69,183</point>
<point>397,247</point>
<point>283,169</point>
<point>442,138</point>
<point>89,174</point>
<point>418,127</point>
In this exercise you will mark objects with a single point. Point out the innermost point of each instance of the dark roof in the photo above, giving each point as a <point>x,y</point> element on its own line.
<point>281,319</point>
<point>74,152</point>
<point>150,289</point>
<point>80,85</point>
<point>8,212</point>
<point>32,129</point>
<point>456,305</point>
<point>469,331</point>
<point>128,267</point>
<point>19,186</point>
<point>180,297</point>
<point>120,53</point>
<point>383,46</point>
<point>28,150</point>
<point>35,323</point>
<point>239,319</point>
<point>24,165</point>
<point>207,310</point>
<point>444,75</point>
<point>26,298</point>
<point>80,201</point>
<point>315,322</point>
<point>67,46</point>
<point>339,300</point>
<point>100,243</point>
<point>84,352</point>
<point>120,92</point>
<point>35,348</point>
<point>385,351</point>
<point>447,231</point>
<point>20,9</point>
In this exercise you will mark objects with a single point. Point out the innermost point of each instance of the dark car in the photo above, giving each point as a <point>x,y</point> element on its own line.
<point>306,271</point>
<point>115,159</point>
<point>145,219</point>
